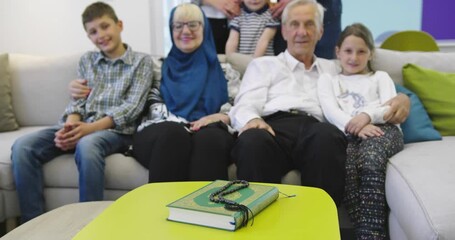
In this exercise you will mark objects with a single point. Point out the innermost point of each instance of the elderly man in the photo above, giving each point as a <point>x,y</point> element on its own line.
<point>278,115</point>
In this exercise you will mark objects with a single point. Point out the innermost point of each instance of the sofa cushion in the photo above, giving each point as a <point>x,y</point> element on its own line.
<point>239,62</point>
<point>418,126</point>
<point>40,87</point>
<point>436,90</point>
<point>7,118</point>
<point>121,173</point>
<point>6,141</point>
<point>419,189</point>
<point>392,62</point>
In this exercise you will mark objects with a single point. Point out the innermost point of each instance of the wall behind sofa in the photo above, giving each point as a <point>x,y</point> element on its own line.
<point>53,27</point>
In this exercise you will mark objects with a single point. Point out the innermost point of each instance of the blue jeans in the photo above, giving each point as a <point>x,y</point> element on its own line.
<point>31,151</point>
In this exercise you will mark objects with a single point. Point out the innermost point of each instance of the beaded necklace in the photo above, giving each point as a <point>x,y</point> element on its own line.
<point>218,197</point>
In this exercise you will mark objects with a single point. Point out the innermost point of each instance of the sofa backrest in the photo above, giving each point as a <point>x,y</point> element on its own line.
<point>39,87</point>
<point>392,62</point>
<point>40,84</point>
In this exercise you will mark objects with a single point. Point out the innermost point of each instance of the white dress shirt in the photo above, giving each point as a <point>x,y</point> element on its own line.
<point>281,83</point>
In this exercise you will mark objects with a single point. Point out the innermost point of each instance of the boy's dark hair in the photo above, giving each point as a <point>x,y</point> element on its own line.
<point>97,10</point>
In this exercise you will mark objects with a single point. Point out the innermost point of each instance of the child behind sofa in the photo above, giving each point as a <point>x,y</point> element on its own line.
<point>93,127</point>
<point>355,100</point>
<point>252,32</point>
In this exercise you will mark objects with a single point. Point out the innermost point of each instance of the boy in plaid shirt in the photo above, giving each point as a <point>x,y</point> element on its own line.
<point>93,127</point>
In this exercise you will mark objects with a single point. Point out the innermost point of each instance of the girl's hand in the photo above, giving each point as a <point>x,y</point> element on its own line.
<point>370,130</point>
<point>356,124</point>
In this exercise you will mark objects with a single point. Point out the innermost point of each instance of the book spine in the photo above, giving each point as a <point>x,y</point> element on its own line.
<point>258,205</point>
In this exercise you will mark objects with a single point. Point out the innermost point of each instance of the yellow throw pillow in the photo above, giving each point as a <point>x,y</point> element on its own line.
<point>436,90</point>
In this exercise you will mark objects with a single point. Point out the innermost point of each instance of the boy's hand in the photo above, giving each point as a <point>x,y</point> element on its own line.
<point>357,123</point>
<point>78,88</point>
<point>370,130</point>
<point>67,137</point>
<point>61,137</point>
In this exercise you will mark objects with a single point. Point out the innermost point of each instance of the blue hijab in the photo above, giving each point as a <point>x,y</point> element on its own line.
<point>193,84</point>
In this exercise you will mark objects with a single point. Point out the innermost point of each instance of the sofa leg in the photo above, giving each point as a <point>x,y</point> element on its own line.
<point>11,223</point>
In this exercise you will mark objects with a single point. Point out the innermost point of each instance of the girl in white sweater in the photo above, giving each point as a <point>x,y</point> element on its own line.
<point>355,101</point>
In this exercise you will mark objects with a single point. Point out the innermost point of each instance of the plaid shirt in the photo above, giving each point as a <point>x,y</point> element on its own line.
<point>119,89</point>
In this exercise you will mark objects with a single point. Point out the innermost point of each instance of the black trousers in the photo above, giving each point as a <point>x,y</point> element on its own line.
<point>220,31</point>
<point>171,153</point>
<point>316,149</point>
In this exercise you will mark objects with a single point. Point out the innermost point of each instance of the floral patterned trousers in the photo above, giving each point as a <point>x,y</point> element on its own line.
<point>366,165</point>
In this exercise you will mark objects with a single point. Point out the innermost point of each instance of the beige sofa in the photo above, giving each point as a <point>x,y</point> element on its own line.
<point>420,179</point>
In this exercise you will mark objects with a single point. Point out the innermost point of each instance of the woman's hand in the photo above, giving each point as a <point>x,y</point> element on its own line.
<point>204,121</point>
<point>78,88</point>
<point>277,10</point>
<point>230,8</point>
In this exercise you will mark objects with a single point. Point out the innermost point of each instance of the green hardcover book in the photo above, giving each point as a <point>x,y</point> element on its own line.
<point>196,207</point>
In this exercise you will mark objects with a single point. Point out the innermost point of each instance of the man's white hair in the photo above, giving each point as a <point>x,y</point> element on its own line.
<point>295,3</point>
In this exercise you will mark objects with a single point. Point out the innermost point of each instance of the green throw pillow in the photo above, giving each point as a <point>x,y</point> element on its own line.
<point>436,91</point>
<point>7,118</point>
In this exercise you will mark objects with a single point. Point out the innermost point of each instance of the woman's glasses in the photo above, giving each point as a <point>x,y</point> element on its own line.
<point>192,26</point>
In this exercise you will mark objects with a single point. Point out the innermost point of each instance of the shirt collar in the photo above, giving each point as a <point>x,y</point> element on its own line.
<point>126,58</point>
<point>260,11</point>
<point>293,63</point>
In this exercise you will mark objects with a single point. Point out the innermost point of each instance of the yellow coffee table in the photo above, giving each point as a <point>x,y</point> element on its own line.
<point>142,213</point>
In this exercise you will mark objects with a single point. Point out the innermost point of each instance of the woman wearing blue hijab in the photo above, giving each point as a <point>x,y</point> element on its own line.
<point>185,137</point>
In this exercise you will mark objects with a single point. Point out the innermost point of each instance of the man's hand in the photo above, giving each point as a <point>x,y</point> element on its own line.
<point>258,123</point>
<point>399,109</point>
<point>357,123</point>
<point>370,130</point>
<point>230,8</point>
<point>78,88</point>
<point>277,10</point>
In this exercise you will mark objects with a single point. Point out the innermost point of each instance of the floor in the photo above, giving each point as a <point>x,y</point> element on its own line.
<point>2,228</point>
<point>347,234</point>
